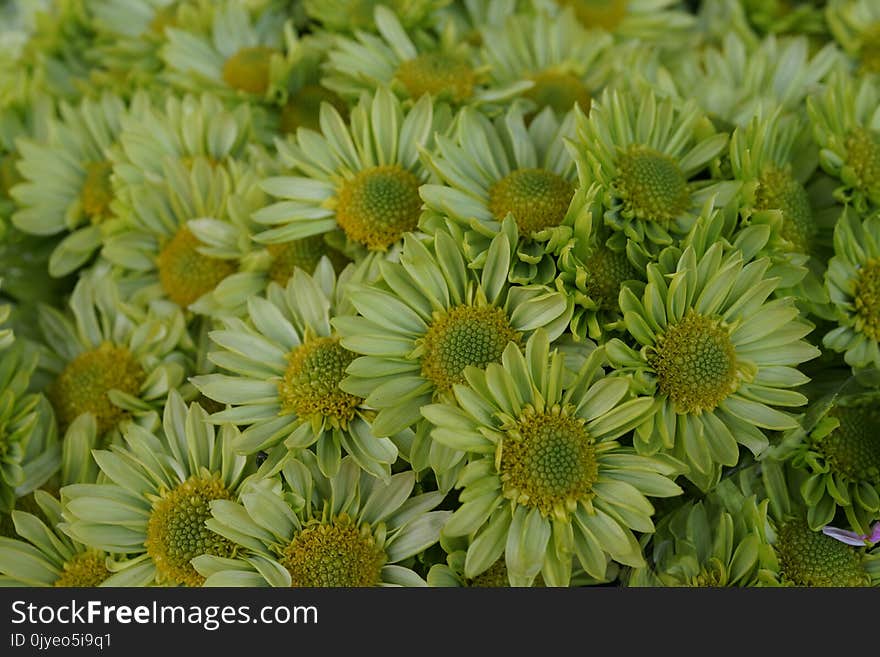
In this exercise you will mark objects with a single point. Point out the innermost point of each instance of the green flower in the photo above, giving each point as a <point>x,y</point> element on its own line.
<point>546,478</point>
<point>355,15</point>
<point>349,530</point>
<point>152,506</point>
<point>715,353</point>
<point>855,25</point>
<point>853,285</point>
<point>286,364</point>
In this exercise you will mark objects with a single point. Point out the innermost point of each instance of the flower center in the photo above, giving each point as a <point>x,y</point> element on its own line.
<point>86,569</point>
<point>870,50</point>
<point>310,387</point>
<point>559,90</point>
<point>443,76</point>
<point>97,192</point>
<point>548,461</point>
<point>495,577</point>
<point>695,362</point>
<point>536,198</point>
<point>303,253</point>
<point>808,558</point>
<point>176,531</point>
<point>248,69</point>
<point>651,185</point>
<point>379,205</point>
<point>186,274</point>
<point>304,108</point>
<point>778,190</point>
<point>606,271</point>
<point>334,554</point>
<point>606,14</point>
<point>867,299</point>
<point>463,336</point>
<point>83,385</point>
<point>853,448</point>
<point>863,148</point>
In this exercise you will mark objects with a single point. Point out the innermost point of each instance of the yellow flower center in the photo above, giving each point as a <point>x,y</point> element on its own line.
<point>97,192</point>
<point>778,190</point>
<point>248,69</point>
<point>607,14</point>
<point>379,205</point>
<point>863,149</point>
<point>651,185</point>
<point>184,273</point>
<point>808,558</point>
<point>559,90</point>
<point>869,54</point>
<point>176,531</point>
<point>84,570</point>
<point>536,198</point>
<point>303,109</point>
<point>695,362</point>
<point>443,76</point>
<point>464,336</point>
<point>548,461</point>
<point>853,448</point>
<point>83,385</point>
<point>867,299</point>
<point>303,253</point>
<point>606,271</point>
<point>334,554</point>
<point>310,386</point>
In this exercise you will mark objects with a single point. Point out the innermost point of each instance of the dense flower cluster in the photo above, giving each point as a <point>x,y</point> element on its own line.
<point>439,292</point>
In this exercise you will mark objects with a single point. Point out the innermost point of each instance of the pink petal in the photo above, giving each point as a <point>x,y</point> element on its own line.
<point>845,536</point>
<point>875,533</point>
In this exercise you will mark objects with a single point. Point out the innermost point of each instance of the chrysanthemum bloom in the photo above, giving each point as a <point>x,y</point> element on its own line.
<point>112,360</point>
<point>68,180</point>
<point>355,15</point>
<point>853,285</point>
<point>285,365</point>
<point>546,478</point>
<point>556,54</point>
<point>715,353</point>
<point>350,530</point>
<point>846,125</point>
<point>18,417</point>
<point>429,318</point>
<point>362,177</point>
<point>152,505</point>
<point>855,25</point>
<point>645,153</point>
<point>840,451</point>
<point>448,70</point>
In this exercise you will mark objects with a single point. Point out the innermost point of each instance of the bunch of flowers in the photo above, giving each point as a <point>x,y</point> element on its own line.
<point>439,293</point>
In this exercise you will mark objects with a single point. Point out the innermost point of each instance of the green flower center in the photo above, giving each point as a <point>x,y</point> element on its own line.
<point>863,150</point>
<point>184,273</point>
<point>495,577</point>
<point>536,198</point>
<point>443,76</point>
<point>695,362</point>
<point>248,69</point>
<point>808,558</point>
<point>651,185</point>
<point>83,385</point>
<point>303,253</point>
<point>867,299</point>
<point>869,54</point>
<point>606,271</point>
<point>86,569</point>
<point>548,461</point>
<point>778,190</point>
<point>464,336</point>
<point>559,90</point>
<point>310,387</point>
<point>97,192</point>
<point>379,205</point>
<point>304,108</point>
<point>853,448</point>
<point>176,531</point>
<point>334,554</point>
<point>607,14</point>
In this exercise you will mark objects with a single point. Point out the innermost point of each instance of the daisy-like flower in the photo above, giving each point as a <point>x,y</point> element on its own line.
<point>18,418</point>
<point>349,530</point>
<point>717,356</point>
<point>285,365</point>
<point>645,153</point>
<point>152,507</point>
<point>853,284</point>
<point>855,25</point>
<point>363,177</point>
<point>448,70</point>
<point>556,54</point>
<point>546,477</point>
<point>356,15</point>
<point>846,125</point>
<point>68,184</point>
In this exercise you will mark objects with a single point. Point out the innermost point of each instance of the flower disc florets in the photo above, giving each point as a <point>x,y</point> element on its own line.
<point>537,198</point>
<point>651,185</point>
<point>184,273</point>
